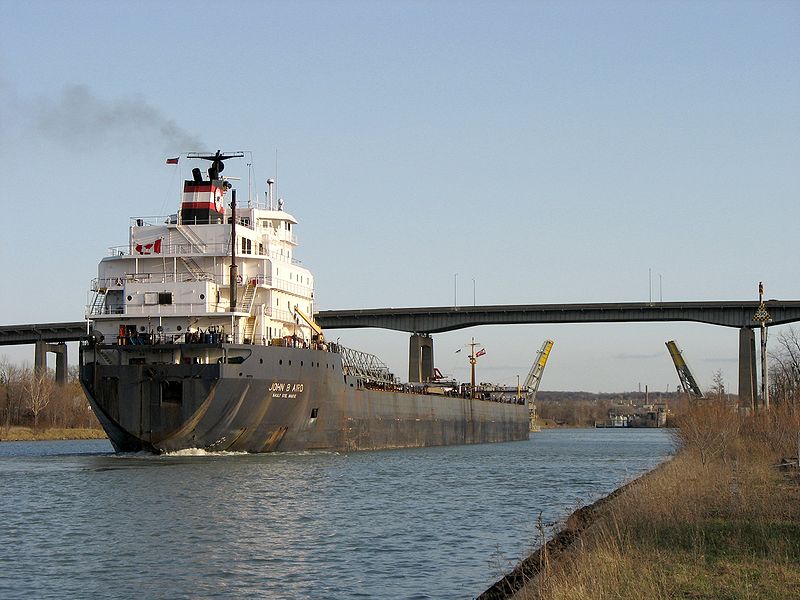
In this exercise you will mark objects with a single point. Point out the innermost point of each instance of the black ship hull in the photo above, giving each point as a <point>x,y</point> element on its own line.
<point>263,398</point>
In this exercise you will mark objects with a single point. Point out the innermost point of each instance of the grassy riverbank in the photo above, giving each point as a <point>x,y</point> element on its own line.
<point>27,434</point>
<point>717,521</point>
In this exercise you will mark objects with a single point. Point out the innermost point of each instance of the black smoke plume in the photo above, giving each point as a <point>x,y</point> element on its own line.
<point>79,119</point>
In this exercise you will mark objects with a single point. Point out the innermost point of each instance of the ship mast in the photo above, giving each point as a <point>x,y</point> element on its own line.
<point>234,266</point>
<point>473,359</point>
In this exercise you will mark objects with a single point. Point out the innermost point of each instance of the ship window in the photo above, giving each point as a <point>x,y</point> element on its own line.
<point>202,296</point>
<point>179,327</point>
<point>314,413</point>
<point>165,297</point>
<point>130,298</point>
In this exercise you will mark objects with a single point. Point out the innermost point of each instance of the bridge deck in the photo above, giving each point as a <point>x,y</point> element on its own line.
<point>449,318</point>
<point>441,319</point>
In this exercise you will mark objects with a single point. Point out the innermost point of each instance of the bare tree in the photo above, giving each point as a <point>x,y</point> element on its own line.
<point>39,389</point>
<point>785,368</point>
<point>709,427</point>
<point>717,389</point>
<point>9,396</point>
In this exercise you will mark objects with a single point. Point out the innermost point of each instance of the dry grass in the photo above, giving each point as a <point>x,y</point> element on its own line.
<point>27,434</point>
<point>716,522</point>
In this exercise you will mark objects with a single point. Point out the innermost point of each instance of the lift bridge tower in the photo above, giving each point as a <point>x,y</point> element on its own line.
<point>535,378</point>
<point>688,382</point>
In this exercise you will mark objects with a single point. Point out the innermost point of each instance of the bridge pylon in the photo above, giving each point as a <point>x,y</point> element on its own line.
<point>420,358</point>
<point>40,359</point>
<point>748,376</point>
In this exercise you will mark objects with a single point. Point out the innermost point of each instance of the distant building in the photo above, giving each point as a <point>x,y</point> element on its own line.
<point>648,415</point>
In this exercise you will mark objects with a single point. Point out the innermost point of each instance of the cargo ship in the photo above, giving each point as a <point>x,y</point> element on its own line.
<point>203,337</point>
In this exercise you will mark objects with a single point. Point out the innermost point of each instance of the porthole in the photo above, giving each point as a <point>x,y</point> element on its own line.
<point>261,360</point>
<point>179,327</point>
<point>202,296</point>
<point>130,298</point>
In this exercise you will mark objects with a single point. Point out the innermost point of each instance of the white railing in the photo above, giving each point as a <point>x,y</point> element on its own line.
<point>198,308</point>
<point>189,249</point>
<point>284,285</point>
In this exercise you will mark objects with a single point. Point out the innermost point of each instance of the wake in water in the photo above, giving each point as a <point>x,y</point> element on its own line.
<point>200,452</point>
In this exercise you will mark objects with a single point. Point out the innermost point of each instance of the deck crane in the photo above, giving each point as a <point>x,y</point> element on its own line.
<point>320,337</point>
<point>688,382</point>
<point>535,378</point>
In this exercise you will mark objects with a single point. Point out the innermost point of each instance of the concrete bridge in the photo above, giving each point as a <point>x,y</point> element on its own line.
<point>47,337</point>
<point>450,318</point>
<point>421,323</point>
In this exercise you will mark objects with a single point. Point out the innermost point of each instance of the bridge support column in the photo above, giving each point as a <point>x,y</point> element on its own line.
<point>40,359</point>
<point>420,358</point>
<point>747,368</point>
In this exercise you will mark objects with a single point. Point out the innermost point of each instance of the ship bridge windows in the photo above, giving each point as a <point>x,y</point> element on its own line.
<point>247,245</point>
<point>152,298</point>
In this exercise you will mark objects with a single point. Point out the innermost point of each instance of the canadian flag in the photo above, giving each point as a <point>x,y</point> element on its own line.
<point>151,248</point>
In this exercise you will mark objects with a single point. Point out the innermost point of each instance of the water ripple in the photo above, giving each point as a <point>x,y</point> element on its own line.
<point>80,521</point>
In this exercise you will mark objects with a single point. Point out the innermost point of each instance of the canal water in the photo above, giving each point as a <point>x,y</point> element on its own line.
<point>77,521</point>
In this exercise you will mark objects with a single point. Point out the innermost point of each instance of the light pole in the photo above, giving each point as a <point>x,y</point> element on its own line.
<point>762,316</point>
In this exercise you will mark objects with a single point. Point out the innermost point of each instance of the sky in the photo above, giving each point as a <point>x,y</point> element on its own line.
<point>433,153</point>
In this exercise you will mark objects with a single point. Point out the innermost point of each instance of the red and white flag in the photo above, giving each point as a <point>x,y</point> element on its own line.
<point>480,352</point>
<point>173,161</point>
<point>151,248</point>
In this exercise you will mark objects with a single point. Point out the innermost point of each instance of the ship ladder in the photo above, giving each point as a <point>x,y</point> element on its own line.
<point>193,268</point>
<point>249,296</point>
<point>98,303</point>
<point>249,329</point>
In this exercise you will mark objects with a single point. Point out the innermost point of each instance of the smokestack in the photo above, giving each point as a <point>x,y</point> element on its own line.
<point>197,174</point>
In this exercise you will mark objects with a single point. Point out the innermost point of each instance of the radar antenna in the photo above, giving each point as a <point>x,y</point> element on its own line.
<point>217,165</point>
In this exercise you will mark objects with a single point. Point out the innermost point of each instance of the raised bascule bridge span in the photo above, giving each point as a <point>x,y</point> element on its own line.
<point>422,323</point>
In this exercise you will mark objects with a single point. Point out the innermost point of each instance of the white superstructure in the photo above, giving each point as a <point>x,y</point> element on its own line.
<point>172,280</point>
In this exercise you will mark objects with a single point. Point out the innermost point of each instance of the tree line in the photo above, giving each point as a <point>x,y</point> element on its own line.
<point>31,398</point>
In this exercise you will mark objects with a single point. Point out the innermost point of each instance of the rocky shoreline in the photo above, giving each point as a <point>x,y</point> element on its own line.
<point>561,546</point>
